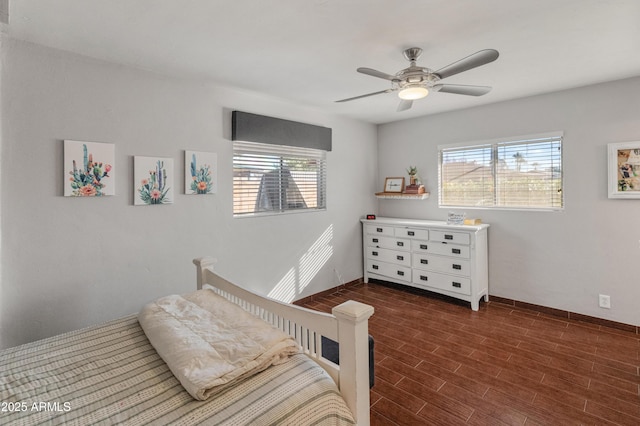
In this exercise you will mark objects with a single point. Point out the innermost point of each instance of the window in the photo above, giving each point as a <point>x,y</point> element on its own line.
<point>519,173</point>
<point>272,179</point>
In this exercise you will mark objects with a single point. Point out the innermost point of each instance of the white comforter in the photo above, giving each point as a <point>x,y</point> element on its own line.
<point>210,343</point>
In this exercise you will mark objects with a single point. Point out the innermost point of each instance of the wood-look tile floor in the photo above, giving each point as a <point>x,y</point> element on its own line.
<point>439,363</point>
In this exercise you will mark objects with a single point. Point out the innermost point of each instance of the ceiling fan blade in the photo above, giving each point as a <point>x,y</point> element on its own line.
<point>461,89</point>
<point>404,105</point>
<point>376,73</point>
<point>472,61</point>
<point>364,96</point>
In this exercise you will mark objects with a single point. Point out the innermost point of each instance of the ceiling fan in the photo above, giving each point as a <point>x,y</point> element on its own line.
<point>414,82</point>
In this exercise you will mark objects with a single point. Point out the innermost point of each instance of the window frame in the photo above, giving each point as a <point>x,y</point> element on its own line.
<point>495,145</point>
<point>279,154</point>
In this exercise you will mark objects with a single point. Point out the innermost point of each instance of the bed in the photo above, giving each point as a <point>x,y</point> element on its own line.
<point>113,374</point>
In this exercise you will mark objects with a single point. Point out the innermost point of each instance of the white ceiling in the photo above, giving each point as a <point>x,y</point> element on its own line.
<point>307,51</point>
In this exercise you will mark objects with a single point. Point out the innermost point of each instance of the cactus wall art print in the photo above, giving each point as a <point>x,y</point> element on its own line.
<point>153,177</point>
<point>89,170</point>
<point>200,175</point>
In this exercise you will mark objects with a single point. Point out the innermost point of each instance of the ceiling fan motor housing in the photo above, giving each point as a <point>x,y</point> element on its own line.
<point>417,76</point>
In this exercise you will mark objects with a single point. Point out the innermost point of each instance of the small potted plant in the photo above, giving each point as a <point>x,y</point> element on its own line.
<point>414,187</point>
<point>413,172</point>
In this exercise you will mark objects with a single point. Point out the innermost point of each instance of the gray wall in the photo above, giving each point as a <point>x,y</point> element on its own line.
<point>67,263</point>
<point>70,262</point>
<point>557,259</point>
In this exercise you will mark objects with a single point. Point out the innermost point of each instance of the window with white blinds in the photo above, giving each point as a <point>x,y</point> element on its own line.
<point>518,173</point>
<point>270,179</point>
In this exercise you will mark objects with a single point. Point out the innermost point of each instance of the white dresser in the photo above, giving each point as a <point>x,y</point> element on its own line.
<point>446,259</point>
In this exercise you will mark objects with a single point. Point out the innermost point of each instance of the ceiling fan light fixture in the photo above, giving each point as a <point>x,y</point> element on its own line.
<point>411,93</point>
<point>414,82</point>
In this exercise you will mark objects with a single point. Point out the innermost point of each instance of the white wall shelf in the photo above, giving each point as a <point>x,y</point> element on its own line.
<point>392,196</point>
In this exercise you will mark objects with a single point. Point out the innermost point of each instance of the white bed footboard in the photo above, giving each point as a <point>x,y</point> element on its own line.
<point>348,325</point>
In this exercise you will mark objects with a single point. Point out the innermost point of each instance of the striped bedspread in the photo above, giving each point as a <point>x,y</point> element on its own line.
<point>110,374</point>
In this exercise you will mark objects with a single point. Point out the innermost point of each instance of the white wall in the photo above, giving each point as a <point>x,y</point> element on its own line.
<point>70,262</point>
<point>556,259</point>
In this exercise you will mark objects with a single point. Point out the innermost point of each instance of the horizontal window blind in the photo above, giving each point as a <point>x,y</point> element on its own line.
<point>466,176</point>
<point>276,178</point>
<point>519,173</point>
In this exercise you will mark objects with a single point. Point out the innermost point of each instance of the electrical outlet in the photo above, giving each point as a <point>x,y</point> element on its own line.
<point>604,301</point>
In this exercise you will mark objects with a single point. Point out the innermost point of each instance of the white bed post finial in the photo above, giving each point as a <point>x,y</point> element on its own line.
<point>202,263</point>
<point>353,334</point>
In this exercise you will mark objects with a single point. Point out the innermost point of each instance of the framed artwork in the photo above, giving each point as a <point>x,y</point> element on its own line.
<point>624,170</point>
<point>394,184</point>
<point>89,169</point>
<point>200,173</point>
<point>153,177</point>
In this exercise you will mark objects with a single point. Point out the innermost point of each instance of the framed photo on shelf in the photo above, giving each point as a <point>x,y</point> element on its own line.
<point>394,184</point>
<point>624,170</point>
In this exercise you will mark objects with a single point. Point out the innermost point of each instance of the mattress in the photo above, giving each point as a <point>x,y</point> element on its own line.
<point>110,374</point>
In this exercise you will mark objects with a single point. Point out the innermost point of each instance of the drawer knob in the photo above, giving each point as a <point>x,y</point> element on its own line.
<point>424,261</point>
<point>411,233</point>
<point>424,278</point>
<point>456,285</point>
<point>448,237</point>
<point>400,244</point>
<point>401,273</point>
<point>378,229</point>
<point>455,251</point>
<point>374,253</point>
<point>458,267</point>
<point>423,247</point>
<point>375,240</point>
<point>400,257</point>
<point>374,266</point>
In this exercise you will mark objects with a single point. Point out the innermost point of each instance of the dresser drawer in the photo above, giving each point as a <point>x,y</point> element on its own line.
<point>420,234</point>
<point>429,279</point>
<point>443,249</point>
<point>442,264</point>
<point>397,272</point>
<point>380,230</point>
<point>388,242</point>
<point>452,250</point>
<point>390,256</point>
<point>421,246</point>
<point>450,237</point>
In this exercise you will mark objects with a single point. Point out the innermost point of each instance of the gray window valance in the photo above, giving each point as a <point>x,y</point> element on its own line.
<point>259,128</point>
